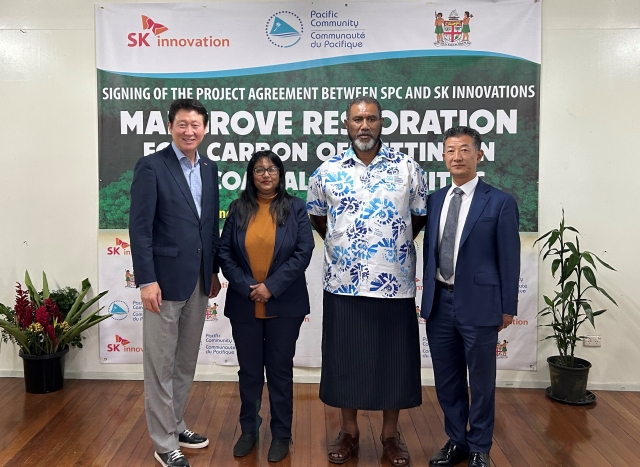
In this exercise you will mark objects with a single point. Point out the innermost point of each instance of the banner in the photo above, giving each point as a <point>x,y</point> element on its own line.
<point>279,76</point>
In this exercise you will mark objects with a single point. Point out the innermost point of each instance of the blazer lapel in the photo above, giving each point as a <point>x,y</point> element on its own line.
<point>479,201</point>
<point>281,233</point>
<point>207,186</point>
<point>241,237</point>
<point>171,160</point>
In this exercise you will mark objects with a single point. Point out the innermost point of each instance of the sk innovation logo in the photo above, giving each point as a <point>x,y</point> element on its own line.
<point>122,345</point>
<point>120,341</point>
<point>142,39</point>
<point>121,248</point>
<point>156,28</point>
<point>284,29</point>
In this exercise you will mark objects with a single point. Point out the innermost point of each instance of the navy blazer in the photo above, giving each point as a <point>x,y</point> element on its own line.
<point>285,280</point>
<point>488,265</point>
<point>169,241</point>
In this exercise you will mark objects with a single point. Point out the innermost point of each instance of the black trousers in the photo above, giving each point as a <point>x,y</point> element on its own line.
<point>266,344</point>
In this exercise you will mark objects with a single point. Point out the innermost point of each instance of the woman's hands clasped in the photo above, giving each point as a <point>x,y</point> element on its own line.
<point>260,293</point>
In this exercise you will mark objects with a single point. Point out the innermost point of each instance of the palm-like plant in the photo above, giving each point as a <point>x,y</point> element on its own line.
<point>569,308</point>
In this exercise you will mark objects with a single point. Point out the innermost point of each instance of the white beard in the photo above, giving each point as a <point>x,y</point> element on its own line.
<point>365,146</point>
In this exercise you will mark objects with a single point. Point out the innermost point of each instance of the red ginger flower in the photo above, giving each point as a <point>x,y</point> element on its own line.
<point>52,334</point>
<point>27,317</point>
<point>24,310</point>
<point>42,316</point>
<point>52,309</point>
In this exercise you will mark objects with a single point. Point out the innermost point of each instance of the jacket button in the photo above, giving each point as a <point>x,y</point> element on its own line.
<point>199,250</point>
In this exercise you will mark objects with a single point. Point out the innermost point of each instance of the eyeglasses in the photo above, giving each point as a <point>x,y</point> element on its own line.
<point>261,170</point>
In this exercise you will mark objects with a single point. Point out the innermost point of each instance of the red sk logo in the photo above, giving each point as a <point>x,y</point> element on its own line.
<point>121,243</point>
<point>121,340</point>
<point>156,28</point>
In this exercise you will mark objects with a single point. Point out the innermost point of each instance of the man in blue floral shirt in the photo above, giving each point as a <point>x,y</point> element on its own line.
<point>368,204</point>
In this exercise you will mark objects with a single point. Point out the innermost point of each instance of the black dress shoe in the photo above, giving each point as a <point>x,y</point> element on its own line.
<point>448,456</point>
<point>279,449</point>
<point>479,459</point>
<point>245,444</point>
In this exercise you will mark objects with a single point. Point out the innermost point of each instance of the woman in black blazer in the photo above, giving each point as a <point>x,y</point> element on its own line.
<point>265,247</point>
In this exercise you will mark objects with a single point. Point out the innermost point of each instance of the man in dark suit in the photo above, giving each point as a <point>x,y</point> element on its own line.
<point>471,274</point>
<point>173,227</point>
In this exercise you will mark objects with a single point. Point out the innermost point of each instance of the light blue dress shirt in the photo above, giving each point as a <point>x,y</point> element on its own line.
<point>192,174</point>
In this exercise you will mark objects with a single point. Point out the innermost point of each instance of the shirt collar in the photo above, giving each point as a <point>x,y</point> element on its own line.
<point>384,152</point>
<point>468,187</point>
<point>180,155</point>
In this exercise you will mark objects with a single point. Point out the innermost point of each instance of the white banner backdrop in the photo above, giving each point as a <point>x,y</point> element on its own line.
<point>277,75</point>
<point>121,337</point>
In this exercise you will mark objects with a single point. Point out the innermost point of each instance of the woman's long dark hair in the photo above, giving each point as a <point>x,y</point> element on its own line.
<point>246,205</point>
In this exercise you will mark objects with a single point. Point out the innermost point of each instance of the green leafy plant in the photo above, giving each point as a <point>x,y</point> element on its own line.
<point>569,307</point>
<point>47,322</point>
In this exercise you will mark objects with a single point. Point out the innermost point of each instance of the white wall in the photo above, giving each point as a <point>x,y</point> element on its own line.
<point>589,138</point>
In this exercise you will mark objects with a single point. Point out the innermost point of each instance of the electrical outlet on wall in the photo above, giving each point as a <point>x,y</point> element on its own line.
<point>592,341</point>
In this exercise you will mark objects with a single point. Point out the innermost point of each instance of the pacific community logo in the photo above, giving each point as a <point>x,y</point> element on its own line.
<point>284,29</point>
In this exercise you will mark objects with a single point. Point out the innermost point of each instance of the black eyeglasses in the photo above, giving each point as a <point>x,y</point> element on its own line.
<point>261,170</point>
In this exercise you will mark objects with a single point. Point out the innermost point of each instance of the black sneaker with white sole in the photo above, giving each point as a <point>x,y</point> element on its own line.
<point>189,439</point>
<point>173,458</point>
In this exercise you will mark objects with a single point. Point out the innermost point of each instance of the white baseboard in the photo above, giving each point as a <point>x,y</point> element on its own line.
<point>314,379</point>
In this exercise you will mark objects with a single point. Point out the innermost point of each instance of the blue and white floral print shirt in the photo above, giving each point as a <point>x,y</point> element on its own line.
<point>368,249</point>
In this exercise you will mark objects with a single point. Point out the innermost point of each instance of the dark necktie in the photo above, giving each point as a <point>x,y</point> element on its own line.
<point>448,240</point>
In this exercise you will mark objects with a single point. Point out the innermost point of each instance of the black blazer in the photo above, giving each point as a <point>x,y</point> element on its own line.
<point>169,242</point>
<point>285,279</point>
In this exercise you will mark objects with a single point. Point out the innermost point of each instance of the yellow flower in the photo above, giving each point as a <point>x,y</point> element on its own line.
<point>36,327</point>
<point>64,326</point>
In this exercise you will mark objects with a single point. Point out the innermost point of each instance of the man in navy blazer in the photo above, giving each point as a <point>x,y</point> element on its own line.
<point>173,228</point>
<point>468,300</point>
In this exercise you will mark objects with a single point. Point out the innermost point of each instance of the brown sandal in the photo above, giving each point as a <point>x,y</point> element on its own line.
<point>395,451</point>
<point>342,448</point>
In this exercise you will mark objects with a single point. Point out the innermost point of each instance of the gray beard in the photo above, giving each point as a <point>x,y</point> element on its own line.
<point>365,146</point>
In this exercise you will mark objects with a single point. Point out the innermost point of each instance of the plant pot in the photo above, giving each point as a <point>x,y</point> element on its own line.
<point>43,373</point>
<point>569,384</point>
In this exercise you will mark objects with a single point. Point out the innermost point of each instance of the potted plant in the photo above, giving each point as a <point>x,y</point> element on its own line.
<point>44,325</point>
<point>569,307</point>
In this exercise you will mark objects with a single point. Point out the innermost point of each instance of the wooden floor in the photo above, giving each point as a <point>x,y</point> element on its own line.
<point>102,423</point>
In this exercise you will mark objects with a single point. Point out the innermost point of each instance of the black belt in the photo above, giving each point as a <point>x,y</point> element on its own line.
<point>444,285</point>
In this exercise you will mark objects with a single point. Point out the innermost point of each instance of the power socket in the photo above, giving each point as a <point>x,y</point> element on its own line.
<point>592,341</point>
